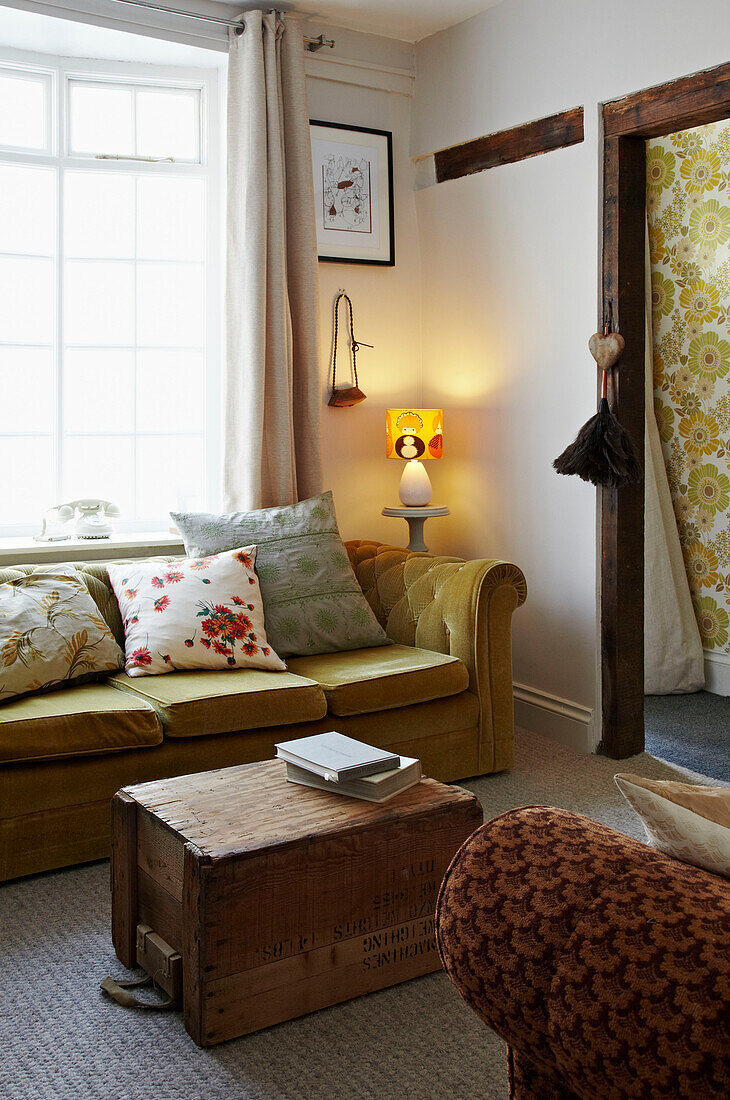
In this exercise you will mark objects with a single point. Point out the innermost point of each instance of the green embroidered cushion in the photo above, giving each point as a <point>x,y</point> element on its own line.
<point>312,601</point>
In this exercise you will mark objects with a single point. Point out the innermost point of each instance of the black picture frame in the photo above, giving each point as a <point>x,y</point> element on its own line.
<point>342,250</point>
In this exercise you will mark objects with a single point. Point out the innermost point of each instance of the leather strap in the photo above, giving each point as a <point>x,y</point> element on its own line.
<point>118,991</point>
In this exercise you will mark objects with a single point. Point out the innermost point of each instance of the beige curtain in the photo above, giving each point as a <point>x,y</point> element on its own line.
<point>272,388</point>
<point>673,658</point>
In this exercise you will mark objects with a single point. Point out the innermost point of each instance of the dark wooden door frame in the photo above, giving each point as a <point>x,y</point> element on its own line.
<point>627,123</point>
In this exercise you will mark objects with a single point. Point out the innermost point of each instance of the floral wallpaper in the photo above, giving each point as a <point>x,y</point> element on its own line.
<point>688,208</point>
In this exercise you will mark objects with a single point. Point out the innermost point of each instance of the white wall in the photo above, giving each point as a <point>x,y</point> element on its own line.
<point>386,300</point>
<point>507,309</point>
<point>510,278</point>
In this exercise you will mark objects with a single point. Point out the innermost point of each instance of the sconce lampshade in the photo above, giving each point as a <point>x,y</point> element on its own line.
<point>414,433</point>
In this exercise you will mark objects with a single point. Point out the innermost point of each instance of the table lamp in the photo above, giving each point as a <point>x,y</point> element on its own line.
<point>414,435</point>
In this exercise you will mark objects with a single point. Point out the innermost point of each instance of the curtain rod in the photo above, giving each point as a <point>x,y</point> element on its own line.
<point>312,44</point>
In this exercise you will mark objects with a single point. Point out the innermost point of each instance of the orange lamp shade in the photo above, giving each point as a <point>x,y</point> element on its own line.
<point>414,433</point>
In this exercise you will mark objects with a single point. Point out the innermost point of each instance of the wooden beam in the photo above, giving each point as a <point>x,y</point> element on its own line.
<point>622,510</point>
<point>507,146</point>
<point>665,108</point>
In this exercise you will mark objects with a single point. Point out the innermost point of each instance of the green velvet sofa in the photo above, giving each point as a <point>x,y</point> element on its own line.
<point>442,692</point>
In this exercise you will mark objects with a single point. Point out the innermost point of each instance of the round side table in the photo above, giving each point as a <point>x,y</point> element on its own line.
<point>415,518</point>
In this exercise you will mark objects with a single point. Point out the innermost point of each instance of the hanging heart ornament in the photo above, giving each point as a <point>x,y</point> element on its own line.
<point>606,349</point>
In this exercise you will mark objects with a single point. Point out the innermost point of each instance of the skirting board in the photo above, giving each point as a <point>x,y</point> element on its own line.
<point>717,673</point>
<point>569,723</point>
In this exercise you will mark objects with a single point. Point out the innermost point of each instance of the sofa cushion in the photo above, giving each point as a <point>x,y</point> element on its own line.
<point>206,613</point>
<point>363,680</point>
<point>312,600</point>
<point>51,633</point>
<point>193,704</point>
<point>87,720</point>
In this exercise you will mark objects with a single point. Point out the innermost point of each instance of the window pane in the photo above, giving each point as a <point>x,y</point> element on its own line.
<point>99,215</point>
<point>163,207</point>
<point>27,202</point>
<point>102,119</point>
<point>170,305</point>
<point>98,390</point>
<point>170,391</point>
<point>23,107</point>
<point>28,492</point>
<point>99,303</point>
<point>26,294</point>
<point>27,374</point>
<point>99,466</point>
<point>167,124</point>
<point>170,474</point>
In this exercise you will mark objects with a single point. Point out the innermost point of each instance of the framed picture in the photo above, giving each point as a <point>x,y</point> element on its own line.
<point>353,193</point>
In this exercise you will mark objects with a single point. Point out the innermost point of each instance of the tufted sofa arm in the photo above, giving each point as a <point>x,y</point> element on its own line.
<point>603,963</point>
<point>463,608</point>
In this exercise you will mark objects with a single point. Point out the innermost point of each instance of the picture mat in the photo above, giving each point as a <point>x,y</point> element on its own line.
<point>344,243</point>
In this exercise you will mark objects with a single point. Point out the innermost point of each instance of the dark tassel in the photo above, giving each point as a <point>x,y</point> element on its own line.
<point>603,452</point>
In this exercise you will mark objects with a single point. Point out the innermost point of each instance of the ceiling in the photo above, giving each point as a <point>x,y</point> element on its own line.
<point>410,20</point>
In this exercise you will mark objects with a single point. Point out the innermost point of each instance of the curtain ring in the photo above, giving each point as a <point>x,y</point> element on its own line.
<point>238,31</point>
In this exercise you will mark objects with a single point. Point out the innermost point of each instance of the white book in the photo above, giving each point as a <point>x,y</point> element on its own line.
<point>336,757</point>
<point>372,788</point>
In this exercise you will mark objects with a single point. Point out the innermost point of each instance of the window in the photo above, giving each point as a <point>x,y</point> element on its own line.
<point>109,290</point>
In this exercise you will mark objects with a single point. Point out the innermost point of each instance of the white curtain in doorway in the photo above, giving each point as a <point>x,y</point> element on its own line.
<point>272,387</point>
<point>673,657</point>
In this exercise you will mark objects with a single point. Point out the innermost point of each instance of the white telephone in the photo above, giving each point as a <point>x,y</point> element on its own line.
<point>81,519</point>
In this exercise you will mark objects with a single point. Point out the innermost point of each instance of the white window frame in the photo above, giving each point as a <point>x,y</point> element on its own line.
<point>47,77</point>
<point>59,71</point>
<point>76,79</point>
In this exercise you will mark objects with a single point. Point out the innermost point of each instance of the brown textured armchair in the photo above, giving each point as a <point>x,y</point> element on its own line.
<point>604,964</point>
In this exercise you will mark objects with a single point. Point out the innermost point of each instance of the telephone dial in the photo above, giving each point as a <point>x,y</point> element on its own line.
<point>81,519</point>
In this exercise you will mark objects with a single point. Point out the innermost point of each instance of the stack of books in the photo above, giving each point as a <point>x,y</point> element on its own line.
<point>333,762</point>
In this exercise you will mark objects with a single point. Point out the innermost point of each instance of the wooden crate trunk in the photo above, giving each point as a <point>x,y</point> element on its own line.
<point>281,899</point>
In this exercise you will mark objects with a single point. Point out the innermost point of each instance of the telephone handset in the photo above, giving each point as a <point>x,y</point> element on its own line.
<point>89,517</point>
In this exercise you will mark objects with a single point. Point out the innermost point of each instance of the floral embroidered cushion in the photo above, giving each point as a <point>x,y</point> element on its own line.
<point>52,634</point>
<point>312,600</point>
<point>203,612</point>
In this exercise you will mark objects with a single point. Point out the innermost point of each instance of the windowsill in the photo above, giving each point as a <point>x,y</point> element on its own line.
<point>136,544</point>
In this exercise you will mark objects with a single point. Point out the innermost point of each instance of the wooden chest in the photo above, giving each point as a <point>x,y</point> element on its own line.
<point>280,899</point>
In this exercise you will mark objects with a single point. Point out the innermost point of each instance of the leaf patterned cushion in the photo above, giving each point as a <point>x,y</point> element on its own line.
<point>203,612</point>
<point>51,634</point>
<point>312,599</point>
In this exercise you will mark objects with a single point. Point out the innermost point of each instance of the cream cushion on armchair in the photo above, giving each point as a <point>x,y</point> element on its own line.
<point>363,680</point>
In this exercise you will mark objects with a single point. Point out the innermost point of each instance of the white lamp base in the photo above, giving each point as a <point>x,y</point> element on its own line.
<point>415,485</point>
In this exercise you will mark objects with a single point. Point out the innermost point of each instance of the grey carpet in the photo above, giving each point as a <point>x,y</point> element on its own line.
<point>60,1039</point>
<point>691,730</point>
